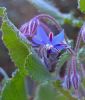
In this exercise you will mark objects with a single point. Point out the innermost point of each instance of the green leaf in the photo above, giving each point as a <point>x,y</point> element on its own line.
<point>66,93</point>
<point>81,55</point>
<point>17,49</point>
<point>63,58</point>
<point>61,97</point>
<point>46,92</point>
<point>81,5</point>
<point>14,89</point>
<point>83,82</point>
<point>36,69</point>
<point>2,11</point>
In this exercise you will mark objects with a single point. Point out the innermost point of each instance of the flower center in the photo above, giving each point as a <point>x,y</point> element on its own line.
<point>49,46</point>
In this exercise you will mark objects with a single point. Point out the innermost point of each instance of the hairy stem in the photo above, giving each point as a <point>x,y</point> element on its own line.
<point>78,42</point>
<point>50,18</point>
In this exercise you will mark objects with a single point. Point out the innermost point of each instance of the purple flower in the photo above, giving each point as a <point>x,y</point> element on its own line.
<point>54,43</point>
<point>35,33</point>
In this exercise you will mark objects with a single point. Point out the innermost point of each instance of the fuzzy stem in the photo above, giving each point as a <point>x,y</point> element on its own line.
<point>69,67</point>
<point>46,27</point>
<point>74,64</point>
<point>78,42</point>
<point>51,18</point>
<point>71,51</point>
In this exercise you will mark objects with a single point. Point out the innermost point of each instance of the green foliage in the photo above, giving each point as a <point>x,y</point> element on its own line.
<point>81,5</point>
<point>2,11</point>
<point>66,93</point>
<point>83,82</point>
<point>14,89</point>
<point>36,69</point>
<point>63,58</point>
<point>81,55</point>
<point>46,91</point>
<point>19,52</point>
<point>17,49</point>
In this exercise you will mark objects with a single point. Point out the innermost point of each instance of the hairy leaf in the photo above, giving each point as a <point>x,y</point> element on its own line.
<point>17,49</point>
<point>36,69</point>
<point>81,5</point>
<point>14,89</point>
<point>66,93</point>
<point>63,58</point>
<point>45,92</point>
<point>81,55</point>
<point>2,11</point>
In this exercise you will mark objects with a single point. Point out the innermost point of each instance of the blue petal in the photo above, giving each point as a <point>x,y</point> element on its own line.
<point>41,32</point>
<point>41,36</point>
<point>60,47</point>
<point>37,40</point>
<point>58,38</point>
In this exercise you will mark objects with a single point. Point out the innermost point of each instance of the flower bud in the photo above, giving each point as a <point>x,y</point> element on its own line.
<point>75,80</point>
<point>67,82</point>
<point>29,28</point>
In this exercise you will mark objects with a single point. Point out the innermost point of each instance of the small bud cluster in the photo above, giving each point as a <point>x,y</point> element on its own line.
<point>72,78</point>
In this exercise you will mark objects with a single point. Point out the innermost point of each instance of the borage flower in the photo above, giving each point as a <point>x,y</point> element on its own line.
<point>52,43</point>
<point>47,46</point>
<point>35,32</point>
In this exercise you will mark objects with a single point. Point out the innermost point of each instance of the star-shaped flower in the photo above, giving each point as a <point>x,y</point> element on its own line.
<point>54,43</point>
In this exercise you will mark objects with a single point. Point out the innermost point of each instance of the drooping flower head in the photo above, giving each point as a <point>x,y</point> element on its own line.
<point>42,39</point>
<point>51,42</point>
<point>39,35</point>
